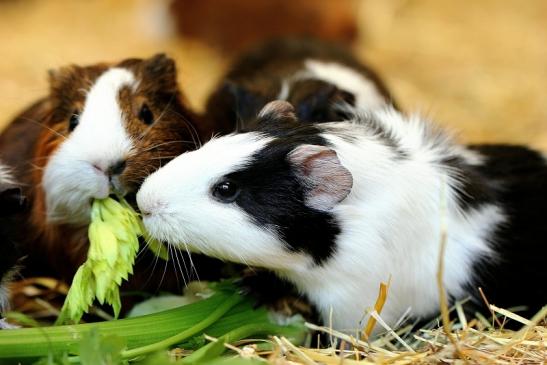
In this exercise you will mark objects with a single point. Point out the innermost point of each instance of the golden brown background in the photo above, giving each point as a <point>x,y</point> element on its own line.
<point>478,67</point>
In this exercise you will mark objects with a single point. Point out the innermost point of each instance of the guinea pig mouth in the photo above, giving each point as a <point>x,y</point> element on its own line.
<point>116,185</point>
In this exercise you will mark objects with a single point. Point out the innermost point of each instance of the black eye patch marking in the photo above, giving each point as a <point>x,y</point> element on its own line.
<point>272,194</point>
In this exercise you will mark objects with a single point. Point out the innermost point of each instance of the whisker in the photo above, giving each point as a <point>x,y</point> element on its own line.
<point>169,249</point>
<point>142,250</point>
<point>192,266</point>
<point>153,264</point>
<point>164,271</point>
<point>41,124</point>
<point>163,144</point>
<point>163,157</point>
<point>192,129</point>
<point>178,259</point>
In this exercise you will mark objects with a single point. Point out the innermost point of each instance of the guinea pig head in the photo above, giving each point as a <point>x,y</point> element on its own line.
<point>263,198</point>
<point>110,126</point>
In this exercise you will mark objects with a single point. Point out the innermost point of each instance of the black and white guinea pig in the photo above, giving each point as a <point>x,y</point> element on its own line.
<point>12,204</point>
<point>338,208</point>
<point>314,76</point>
<point>101,130</point>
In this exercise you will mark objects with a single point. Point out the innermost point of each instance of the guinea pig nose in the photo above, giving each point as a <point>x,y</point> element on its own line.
<point>117,168</point>
<point>150,208</point>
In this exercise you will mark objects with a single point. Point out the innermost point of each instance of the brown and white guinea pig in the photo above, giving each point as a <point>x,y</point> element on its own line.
<point>101,130</point>
<point>12,205</point>
<point>338,208</point>
<point>315,76</point>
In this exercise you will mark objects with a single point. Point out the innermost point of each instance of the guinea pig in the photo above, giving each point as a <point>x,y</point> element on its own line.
<point>101,130</point>
<point>315,76</point>
<point>12,204</point>
<point>337,208</point>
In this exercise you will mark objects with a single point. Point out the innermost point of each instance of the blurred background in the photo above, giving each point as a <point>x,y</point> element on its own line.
<point>479,67</point>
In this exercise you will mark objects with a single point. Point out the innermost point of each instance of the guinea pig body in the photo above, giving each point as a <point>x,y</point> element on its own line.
<point>314,76</point>
<point>338,208</point>
<point>101,131</point>
<point>12,204</point>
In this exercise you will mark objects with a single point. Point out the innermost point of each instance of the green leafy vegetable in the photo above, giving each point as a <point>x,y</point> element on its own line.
<point>113,245</point>
<point>226,315</point>
<point>96,349</point>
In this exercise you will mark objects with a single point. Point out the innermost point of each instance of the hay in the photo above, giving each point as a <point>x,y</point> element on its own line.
<point>470,340</point>
<point>474,343</point>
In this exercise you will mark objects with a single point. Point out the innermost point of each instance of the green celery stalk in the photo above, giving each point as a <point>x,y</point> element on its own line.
<point>136,332</point>
<point>213,350</point>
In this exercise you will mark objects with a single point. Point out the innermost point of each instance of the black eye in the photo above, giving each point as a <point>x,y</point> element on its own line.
<point>74,120</point>
<point>226,191</point>
<point>146,115</point>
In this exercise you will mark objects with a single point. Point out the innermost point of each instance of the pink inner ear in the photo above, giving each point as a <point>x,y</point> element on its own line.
<point>329,182</point>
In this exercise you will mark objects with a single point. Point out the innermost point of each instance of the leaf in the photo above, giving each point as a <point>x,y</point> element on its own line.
<point>113,245</point>
<point>158,304</point>
<point>98,350</point>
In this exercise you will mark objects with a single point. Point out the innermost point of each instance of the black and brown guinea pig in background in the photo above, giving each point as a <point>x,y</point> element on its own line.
<point>337,208</point>
<point>101,130</point>
<point>12,205</point>
<point>315,76</point>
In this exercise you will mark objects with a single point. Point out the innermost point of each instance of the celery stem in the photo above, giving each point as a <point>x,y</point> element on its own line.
<point>178,338</point>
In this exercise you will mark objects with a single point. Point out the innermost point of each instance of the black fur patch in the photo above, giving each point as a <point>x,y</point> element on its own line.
<point>378,130</point>
<point>256,79</point>
<point>273,195</point>
<point>516,274</point>
<point>316,101</point>
<point>393,144</point>
<point>475,189</point>
<point>12,206</point>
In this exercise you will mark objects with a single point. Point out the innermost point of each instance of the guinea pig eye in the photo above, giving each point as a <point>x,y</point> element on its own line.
<point>226,191</point>
<point>74,120</point>
<point>146,115</point>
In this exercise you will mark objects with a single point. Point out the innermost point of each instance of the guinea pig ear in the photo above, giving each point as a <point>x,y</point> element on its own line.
<point>276,115</point>
<point>326,180</point>
<point>278,109</point>
<point>59,77</point>
<point>162,70</point>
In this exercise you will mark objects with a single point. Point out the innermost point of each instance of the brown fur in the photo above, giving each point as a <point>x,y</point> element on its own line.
<point>35,135</point>
<point>257,75</point>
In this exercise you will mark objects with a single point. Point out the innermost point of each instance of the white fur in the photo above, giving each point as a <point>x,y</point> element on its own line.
<point>194,175</point>
<point>76,172</point>
<point>285,90</point>
<point>5,280</point>
<point>5,176</point>
<point>391,222</point>
<point>345,78</point>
